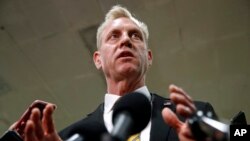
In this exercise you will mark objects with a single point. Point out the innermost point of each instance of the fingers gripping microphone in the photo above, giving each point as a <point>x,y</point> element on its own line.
<point>131,115</point>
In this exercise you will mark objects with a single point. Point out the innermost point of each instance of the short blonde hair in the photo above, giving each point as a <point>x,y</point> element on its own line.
<point>116,12</point>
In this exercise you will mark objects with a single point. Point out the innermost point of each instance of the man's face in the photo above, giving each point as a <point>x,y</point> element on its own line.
<point>123,50</point>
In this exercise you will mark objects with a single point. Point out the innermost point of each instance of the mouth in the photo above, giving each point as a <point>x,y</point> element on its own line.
<point>125,54</point>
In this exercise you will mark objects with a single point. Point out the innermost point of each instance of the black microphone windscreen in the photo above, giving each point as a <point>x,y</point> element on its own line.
<point>139,108</point>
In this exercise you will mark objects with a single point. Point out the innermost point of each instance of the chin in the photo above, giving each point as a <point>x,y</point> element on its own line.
<point>128,69</point>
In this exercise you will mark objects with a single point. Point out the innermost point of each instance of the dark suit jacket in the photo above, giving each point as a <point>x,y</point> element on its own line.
<point>92,127</point>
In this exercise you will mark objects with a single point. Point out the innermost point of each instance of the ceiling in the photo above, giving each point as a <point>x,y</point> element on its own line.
<point>46,51</point>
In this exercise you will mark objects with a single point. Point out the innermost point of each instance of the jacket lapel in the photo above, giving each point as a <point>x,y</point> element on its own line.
<point>159,129</point>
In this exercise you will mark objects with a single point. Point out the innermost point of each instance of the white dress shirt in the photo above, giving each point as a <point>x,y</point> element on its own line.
<point>110,100</point>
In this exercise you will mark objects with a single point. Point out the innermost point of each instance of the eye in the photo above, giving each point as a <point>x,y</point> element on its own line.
<point>114,36</point>
<point>136,36</point>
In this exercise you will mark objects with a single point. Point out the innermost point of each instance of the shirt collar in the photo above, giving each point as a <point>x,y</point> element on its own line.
<point>110,99</point>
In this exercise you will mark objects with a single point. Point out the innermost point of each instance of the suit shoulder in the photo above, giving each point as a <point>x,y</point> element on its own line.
<point>156,96</point>
<point>200,105</point>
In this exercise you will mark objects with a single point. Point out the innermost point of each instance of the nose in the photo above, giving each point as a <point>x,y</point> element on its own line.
<point>126,42</point>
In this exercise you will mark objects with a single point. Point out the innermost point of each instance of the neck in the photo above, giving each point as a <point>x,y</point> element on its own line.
<point>125,86</point>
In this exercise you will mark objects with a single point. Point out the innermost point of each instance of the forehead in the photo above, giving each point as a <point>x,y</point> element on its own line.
<point>121,23</point>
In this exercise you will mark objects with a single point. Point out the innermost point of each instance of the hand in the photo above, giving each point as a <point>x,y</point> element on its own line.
<point>41,130</point>
<point>184,107</point>
<point>12,127</point>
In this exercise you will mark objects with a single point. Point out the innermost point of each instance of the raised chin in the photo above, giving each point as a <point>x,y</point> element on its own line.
<point>128,68</point>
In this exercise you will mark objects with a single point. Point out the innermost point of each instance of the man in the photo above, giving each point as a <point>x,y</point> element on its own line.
<point>123,56</point>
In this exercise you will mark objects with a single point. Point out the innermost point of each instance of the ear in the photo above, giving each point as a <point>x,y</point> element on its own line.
<point>97,59</point>
<point>150,57</point>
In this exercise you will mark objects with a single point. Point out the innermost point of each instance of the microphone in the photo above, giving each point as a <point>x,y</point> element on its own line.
<point>76,137</point>
<point>91,130</point>
<point>131,115</point>
<point>203,127</point>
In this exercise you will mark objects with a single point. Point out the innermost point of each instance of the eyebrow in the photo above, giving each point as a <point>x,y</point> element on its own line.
<point>111,32</point>
<point>130,30</point>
